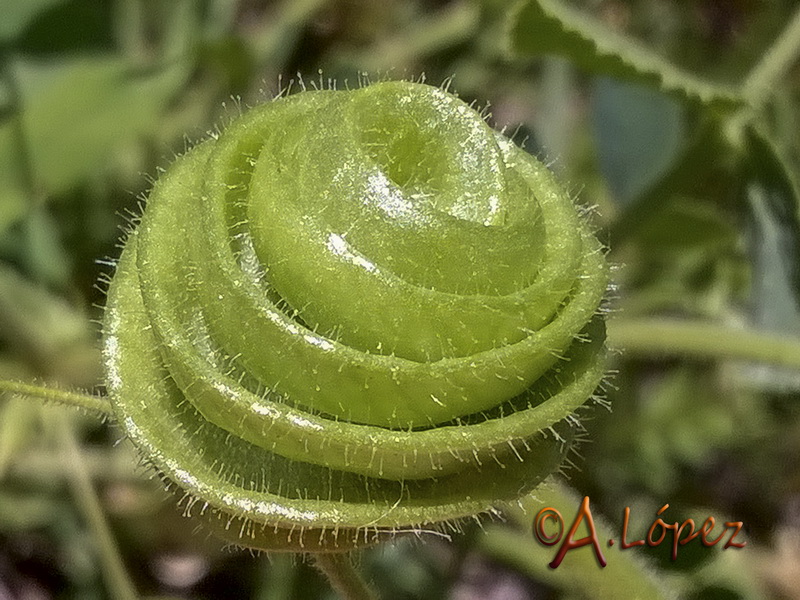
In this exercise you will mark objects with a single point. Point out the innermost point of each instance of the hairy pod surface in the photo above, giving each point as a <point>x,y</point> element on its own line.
<point>352,313</point>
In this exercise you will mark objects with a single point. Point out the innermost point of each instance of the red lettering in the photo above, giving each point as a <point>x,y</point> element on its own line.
<point>677,537</point>
<point>570,544</point>
<point>626,519</point>
<point>659,522</point>
<point>704,531</point>
<point>738,527</point>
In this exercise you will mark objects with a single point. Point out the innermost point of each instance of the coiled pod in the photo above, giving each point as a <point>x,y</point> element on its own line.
<point>352,313</point>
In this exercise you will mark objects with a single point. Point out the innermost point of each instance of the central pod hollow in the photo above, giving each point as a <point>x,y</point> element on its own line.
<point>355,310</point>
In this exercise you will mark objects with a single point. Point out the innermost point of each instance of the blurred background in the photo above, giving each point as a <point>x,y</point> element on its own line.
<point>701,220</point>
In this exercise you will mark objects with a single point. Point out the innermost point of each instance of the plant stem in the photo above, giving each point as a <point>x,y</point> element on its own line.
<point>343,576</point>
<point>39,465</point>
<point>780,56</point>
<point>119,584</point>
<point>702,340</point>
<point>86,401</point>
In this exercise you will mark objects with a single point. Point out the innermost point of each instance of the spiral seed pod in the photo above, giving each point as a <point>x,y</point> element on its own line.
<point>352,313</point>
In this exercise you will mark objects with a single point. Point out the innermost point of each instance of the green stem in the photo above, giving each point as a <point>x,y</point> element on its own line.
<point>119,584</point>
<point>39,465</point>
<point>86,401</point>
<point>759,82</point>
<point>343,576</point>
<point>702,340</point>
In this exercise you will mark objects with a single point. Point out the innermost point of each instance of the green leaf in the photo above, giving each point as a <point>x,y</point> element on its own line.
<point>680,237</point>
<point>44,331</point>
<point>774,195</point>
<point>768,164</point>
<point>77,112</point>
<point>638,133</point>
<point>550,27</point>
<point>45,257</point>
<point>685,225</point>
<point>667,441</point>
<point>17,15</point>
<point>702,170</point>
<point>774,198</point>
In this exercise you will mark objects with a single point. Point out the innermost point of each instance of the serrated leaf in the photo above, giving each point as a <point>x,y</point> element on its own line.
<point>551,27</point>
<point>77,112</point>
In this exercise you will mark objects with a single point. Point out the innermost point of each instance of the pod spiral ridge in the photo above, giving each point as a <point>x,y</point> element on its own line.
<point>353,313</point>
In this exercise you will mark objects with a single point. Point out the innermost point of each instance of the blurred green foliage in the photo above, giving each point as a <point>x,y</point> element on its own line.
<point>678,121</point>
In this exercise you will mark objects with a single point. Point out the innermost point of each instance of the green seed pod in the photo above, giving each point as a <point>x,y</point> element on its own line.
<point>354,313</point>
